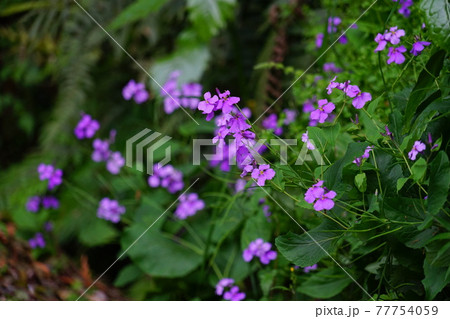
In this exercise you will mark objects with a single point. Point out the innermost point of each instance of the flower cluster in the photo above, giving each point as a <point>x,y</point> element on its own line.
<point>47,202</point>
<point>358,160</point>
<point>167,177</point>
<point>262,250</point>
<point>233,294</point>
<point>330,67</point>
<point>289,116</point>
<point>102,153</point>
<point>231,121</point>
<point>135,91</point>
<point>332,27</point>
<point>320,196</point>
<point>187,97</point>
<point>50,173</point>
<point>416,149</point>
<point>109,209</point>
<point>352,91</point>
<point>189,205</point>
<point>271,123</point>
<point>37,241</point>
<point>86,127</point>
<point>404,9</point>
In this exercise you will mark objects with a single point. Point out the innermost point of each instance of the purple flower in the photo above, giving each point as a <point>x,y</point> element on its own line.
<point>260,249</point>
<point>136,91</point>
<point>359,98</point>
<point>331,67</point>
<point>332,85</point>
<point>222,284</point>
<point>305,139</point>
<point>191,93</point>
<point>308,106</point>
<point>33,203</point>
<point>53,175</point>
<point>263,173</point>
<point>226,102</point>
<point>321,113</point>
<point>208,105</point>
<point>86,127</point>
<point>101,150</point>
<point>167,177</point>
<point>319,40</point>
<point>394,35</point>
<point>239,186</point>
<point>50,202</point>
<point>416,149</point>
<point>307,269</point>
<point>333,22</point>
<point>271,123</point>
<point>234,294</point>
<point>109,209</point>
<point>290,116</point>
<point>37,241</point>
<point>321,196</point>
<point>45,171</point>
<point>381,42</point>
<point>115,163</point>
<point>366,154</point>
<point>55,179</point>
<point>418,47</point>
<point>188,206</point>
<point>395,55</point>
<point>171,93</point>
<point>404,9</point>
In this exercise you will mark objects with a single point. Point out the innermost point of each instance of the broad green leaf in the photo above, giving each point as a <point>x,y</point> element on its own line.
<point>266,278</point>
<point>437,13</point>
<point>304,250</point>
<point>439,183</point>
<point>159,254</point>
<point>371,126</point>
<point>325,284</point>
<point>139,9</point>
<point>127,275</point>
<point>97,232</point>
<point>401,182</point>
<point>424,88</point>
<point>435,277</point>
<point>361,182</point>
<point>256,226</point>
<point>418,169</point>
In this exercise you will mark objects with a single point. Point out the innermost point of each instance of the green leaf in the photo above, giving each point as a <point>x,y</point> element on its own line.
<point>371,128</point>
<point>435,277</point>
<point>418,169</point>
<point>136,11</point>
<point>209,16</point>
<point>127,275</point>
<point>304,250</point>
<point>255,227</point>
<point>97,232</point>
<point>21,7</point>
<point>424,87</point>
<point>437,13</point>
<point>401,182</point>
<point>325,284</point>
<point>361,182</point>
<point>159,254</point>
<point>439,183</point>
<point>266,278</point>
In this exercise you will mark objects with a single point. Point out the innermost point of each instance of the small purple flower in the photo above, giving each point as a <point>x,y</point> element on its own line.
<point>321,196</point>
<point>86,127</point>
<point>191,93</point>
<point>167,177</point>
<point>325,201</point>
<point>33,203</point>
<point>359,98</point>
<point>290,116</point>
<point>395,55</point>
<point>319,40</point>
<point>332,85</point>
<point>37,241</point>
<point>189,205</point>
<point>109,209</point>
<point>314,192</point>
<point>430,142</point>
<point>208,105</point>
<point>50,202</point>
<point>305,139</point>
<point>308,106</point>
<point>418,47</point>
<point>222,284</point>
<point>101,150</point>
<point>260,249</point>
<point>55,179</point>
<point>226,102</point>
<point>136,91</point>
<point>307,269</point>
<point>271,123</point>
<point>234,294</point>
<point>394,35</point>
<point>115,162</point>
<point>53,175</point>
<point>45,171</point>
<point>321,113</point>
<point>381,42</point>
<point>404,9</point>
<point>366,155</point>
<point>263,173</point>
<point>416,149</point>
<point>331,67</point>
